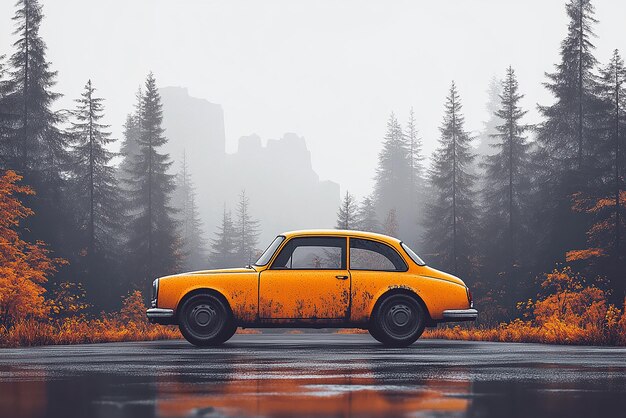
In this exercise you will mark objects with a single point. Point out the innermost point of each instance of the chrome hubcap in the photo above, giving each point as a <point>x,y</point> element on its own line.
<point>204,319</point>
<point>203,314</point>
<point>399,319</point>
<point>400,315</point>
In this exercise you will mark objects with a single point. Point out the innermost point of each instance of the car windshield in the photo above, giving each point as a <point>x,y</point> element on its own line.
<point>269,252</point>
<point>412,254</point>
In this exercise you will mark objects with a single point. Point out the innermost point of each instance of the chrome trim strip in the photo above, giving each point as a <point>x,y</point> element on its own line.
<point>460,313</point>
<point>159,313</point>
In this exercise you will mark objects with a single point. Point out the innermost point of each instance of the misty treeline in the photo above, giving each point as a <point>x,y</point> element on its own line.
<point>538,196</point>
<point>117,219</point>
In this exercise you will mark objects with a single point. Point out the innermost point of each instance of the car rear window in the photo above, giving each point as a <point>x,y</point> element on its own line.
<point>366,254</point>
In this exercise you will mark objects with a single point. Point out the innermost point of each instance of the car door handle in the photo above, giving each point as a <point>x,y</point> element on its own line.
<point>341,277</point>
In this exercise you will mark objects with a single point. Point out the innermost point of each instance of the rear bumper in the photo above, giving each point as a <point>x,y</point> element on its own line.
<point>161,316</point>
<point>459,315</point>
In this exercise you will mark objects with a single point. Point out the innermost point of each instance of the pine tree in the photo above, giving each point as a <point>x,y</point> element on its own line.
<point>452,216</point>
<point>193,244</point>
<point>153,229</point>
<point>613,93</point>
<point>347,214</point>
<point>393,177</point>
<point>565,134</point>
<point>366,216</point>
<point>37,144</point>
<point>507,189</point>
<point>605,204</point>
<point>97,198</point>
<point>417,189</point>
<point>416,158</point>
<point>247,232</point>
<point>8,117</point>
<point>567,139</point>
<point>35,147</point>
<point>486,138</point>
<point>130,142</point>
<point>390,227</point>
<point>224,246</point>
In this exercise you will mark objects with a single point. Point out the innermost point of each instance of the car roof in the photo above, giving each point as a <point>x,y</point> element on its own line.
<point>339,232</point>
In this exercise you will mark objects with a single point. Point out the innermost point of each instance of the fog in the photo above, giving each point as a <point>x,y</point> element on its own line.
<point>326,70</point>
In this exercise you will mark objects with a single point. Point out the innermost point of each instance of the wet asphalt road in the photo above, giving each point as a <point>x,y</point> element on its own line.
<point>313,375</point>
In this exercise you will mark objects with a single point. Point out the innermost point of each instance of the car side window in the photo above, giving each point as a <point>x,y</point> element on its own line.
<point>372,255</point>
<point>312,253</point>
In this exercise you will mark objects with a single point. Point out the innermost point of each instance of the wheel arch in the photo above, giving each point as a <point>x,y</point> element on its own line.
<point>400,290</point>
<point>203,291</point>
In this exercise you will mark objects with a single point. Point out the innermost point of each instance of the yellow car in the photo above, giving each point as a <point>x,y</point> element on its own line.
<point>316,279</point>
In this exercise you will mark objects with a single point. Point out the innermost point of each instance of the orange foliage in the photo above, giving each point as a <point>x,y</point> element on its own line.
<point>600,235</point>
<point>129,324</point>
<point>24,267</point>
<point>581,204</point>
<point>575,255</point>
<point>571,312</point>
<point>67,299</point>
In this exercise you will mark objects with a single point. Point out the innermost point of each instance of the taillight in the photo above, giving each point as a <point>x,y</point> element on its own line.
<point>155,293</point>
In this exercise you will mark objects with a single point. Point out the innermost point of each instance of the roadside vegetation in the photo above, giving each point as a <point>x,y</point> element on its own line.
<point>569,310</point>
<point>70,325</point>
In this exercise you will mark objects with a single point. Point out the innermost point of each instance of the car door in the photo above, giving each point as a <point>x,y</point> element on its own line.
<point>308,279</point>
<point>373,265</point>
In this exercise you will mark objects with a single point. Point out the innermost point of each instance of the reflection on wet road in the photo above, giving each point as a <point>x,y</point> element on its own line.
<point>312,375</point>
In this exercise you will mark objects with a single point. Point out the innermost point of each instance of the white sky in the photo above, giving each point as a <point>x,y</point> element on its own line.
<point>329,70</point>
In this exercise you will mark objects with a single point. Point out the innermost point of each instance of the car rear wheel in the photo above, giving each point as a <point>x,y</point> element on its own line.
<point>205,320</point>
<point>228,335</point>
<point>374,333</point>
<point>398,321</point>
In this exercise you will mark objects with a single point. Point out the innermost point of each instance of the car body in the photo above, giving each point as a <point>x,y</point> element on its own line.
<point>316,278</point>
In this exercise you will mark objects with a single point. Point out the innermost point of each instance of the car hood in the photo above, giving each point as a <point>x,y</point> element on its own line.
<point>441,275</point>
<point>214,271</point>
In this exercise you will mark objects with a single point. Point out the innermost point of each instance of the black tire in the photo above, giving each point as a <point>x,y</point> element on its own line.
<point>399,320</point>
<point>228,335</point>
<point>205,320</point>
<point>374,332</point>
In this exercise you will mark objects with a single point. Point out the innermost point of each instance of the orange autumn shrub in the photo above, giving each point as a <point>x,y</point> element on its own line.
<point>129,324</point>
<point>570,312</point>
<point>133,311</point>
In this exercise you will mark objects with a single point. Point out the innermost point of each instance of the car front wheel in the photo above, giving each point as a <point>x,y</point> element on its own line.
<point>205,320</point>
<point>398,321</point>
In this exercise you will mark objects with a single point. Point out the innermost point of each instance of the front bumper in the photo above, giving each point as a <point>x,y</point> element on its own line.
<point>161,316</point>
<point>459,315</point>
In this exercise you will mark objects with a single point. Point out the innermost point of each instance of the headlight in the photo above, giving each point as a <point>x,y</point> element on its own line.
<point>155,293</point>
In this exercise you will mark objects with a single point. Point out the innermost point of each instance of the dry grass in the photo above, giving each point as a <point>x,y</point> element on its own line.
<point>351,331</point>
<point>129,324</point>
<point>82,331</point>
<point>248,331</point>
